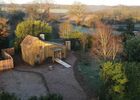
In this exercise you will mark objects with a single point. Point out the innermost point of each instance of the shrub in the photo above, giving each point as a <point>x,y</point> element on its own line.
<point>132,49</point>
<point>47,97</point>
<point>30,27</point>
<point>132,70</point>
<point>33,98</point>
<point>7,96</point>
<point>114,80</point>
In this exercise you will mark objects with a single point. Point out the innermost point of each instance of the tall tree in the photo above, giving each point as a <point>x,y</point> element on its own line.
<point>105,44</point>
<point>132,49</point>
<point>130,26</point>
<point>65,29</point>
<point>44,7</point>
<point>78,10</point>
<point>14,18</point>
<point>48,5</point>
<point>128,33</point>
<point>32,10</point>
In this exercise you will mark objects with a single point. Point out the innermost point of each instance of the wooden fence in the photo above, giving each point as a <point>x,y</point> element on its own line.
<point>7,63</point>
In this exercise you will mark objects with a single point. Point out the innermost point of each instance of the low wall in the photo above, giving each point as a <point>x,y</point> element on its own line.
<point>7,63</point>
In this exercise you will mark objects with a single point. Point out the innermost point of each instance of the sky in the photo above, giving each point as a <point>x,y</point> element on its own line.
<point>88,2</point>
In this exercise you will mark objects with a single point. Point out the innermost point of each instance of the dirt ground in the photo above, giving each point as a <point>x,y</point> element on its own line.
<point>26,81</point>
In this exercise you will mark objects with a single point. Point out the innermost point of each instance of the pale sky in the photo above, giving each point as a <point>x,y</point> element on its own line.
<point>89,2</point>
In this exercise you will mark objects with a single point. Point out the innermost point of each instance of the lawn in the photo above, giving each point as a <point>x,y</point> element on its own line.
<point>89,70</point>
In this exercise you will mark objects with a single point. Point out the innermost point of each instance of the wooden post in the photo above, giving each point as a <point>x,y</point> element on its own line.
<point>68,45</point>
<point>53,57</point>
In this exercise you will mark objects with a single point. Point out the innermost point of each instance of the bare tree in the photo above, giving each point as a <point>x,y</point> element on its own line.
<point>65,29</point>
<point>116,46</point>
<point>78,10</point>
<point>44,7</point>
<point>48,5</point>
<point>32,10</point>
<point>105,44</point>
<point>83,40</point>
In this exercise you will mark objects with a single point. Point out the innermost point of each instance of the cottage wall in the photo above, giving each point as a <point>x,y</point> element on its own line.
<point>29,54</point>
<point>49,50</point>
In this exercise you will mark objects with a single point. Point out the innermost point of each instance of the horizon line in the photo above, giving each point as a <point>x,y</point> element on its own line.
<point>71,4</point>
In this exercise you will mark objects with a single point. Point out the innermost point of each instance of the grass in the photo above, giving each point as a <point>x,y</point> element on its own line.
<point>89,69</point>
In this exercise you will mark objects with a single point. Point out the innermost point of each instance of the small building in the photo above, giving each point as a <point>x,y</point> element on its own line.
<point>35,51</point>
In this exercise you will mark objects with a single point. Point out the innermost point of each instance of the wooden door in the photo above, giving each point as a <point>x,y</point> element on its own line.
<point>58,54</point>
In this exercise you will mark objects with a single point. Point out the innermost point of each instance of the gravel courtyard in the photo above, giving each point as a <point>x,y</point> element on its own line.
<point>26,81</point>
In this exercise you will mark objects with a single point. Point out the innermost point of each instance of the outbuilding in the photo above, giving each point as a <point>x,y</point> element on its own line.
<point>35,51</point>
